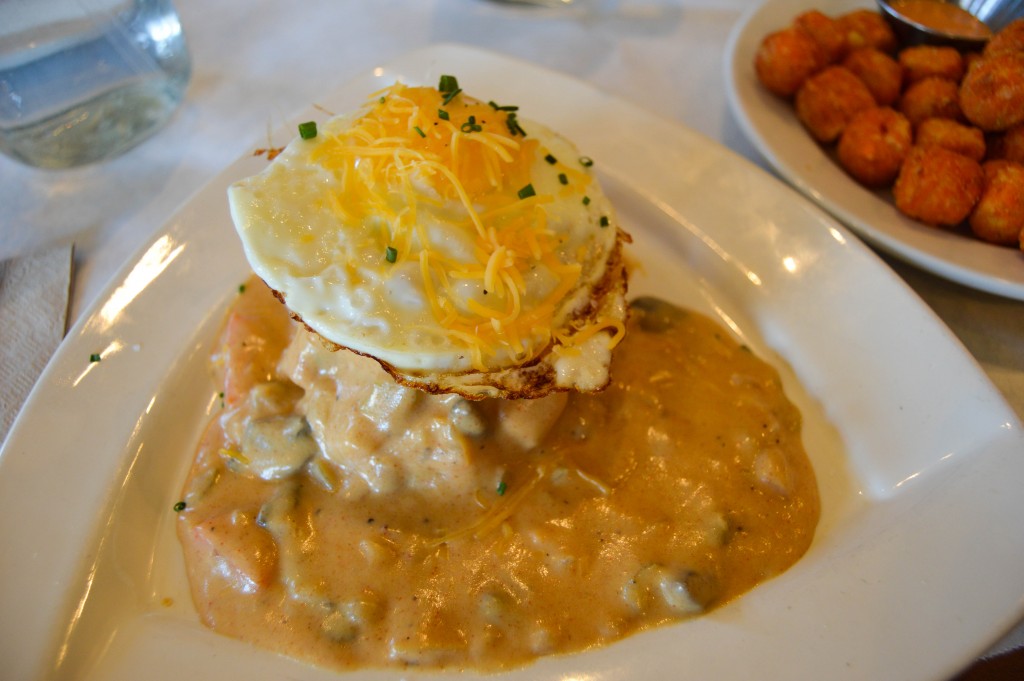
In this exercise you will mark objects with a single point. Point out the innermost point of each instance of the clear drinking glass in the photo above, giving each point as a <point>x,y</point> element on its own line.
<point>84,80</point>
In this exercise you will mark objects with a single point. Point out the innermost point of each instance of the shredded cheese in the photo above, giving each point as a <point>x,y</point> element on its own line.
<point>235,455</point>
<point>399,156</point>
<point>496,515</point>
<point>586,332</point>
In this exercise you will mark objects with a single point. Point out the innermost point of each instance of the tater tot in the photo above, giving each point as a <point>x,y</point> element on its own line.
<point>992,92</point>
<point>931,98</point>
<point>926,61</point>
<point>829,99</point>
<point>938,186</point>
<point>999,215</point>
<point>864,28</point>
<point>787,58</point>
<point>825,31</point>
<point>948,134</point>
<point>1010,39</point>
<point>874,144</point>
<point>881,73</point>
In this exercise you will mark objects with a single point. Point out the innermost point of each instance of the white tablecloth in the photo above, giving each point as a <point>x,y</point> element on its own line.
<point>258,61</point>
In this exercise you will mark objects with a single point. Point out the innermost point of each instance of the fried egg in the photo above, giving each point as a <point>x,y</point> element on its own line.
<point>464,248</point>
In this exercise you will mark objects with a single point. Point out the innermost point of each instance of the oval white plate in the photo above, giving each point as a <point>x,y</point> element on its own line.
<point>770,124</point>
<point>917,561</point>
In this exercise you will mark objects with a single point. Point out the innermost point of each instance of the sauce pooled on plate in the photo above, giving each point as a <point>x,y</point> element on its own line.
<point>338,517</point>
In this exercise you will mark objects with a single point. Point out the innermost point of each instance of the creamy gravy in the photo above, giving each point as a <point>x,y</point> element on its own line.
<point>336,517</point>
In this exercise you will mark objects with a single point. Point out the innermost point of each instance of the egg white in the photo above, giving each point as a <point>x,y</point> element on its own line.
<point>332,272</point>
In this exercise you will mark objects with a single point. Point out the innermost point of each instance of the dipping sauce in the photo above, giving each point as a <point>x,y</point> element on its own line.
<point>942,16</point>
<point>337,517</point>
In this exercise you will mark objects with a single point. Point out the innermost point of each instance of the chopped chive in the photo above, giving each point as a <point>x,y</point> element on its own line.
<point>498,107</point>
<point>442,114</point>
<point>307,130</point>
<point>586,200</point>
<point>418,131</point>
<point>586,161</point>
<point>448,84</point>
<point>241,288</point>
<point>95,357</point>
<point>501,488</point>
<point>382,99</point>
<point>527,191</point>
<point>563,178</point>
<point>391,254</point>
<point>179,507</point>
<point>604,221</point>
<point>551,159</point>
<point>450,96</point>
<point>513,125</point>
<point>471,125</point>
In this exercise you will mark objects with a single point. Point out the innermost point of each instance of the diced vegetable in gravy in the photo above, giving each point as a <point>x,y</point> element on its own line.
<point>334,516</point>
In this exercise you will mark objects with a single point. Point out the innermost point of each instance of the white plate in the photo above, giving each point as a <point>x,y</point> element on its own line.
<point>917,563</point>
<point>772,127</point>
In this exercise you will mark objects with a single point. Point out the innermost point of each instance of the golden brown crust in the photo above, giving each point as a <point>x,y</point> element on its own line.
<point>938,186</point>
<point>787,58</point>
<point>930,61</point>
<point>874,144</point>
<point>882,74</point>
<point>829,99</point>
<point>931,98</point>
<point>825,31</point>
<point>999,215</point>
<point>1010,39</point>
<point>865,28</point>
<point>533,379</point>
<point>992,92</point>
<point>949,134</point>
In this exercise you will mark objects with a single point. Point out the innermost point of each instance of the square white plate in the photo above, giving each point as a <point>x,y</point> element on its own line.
<point>918,562</point>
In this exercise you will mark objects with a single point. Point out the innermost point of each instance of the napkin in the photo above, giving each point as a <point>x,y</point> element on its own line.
<point>34,292</point>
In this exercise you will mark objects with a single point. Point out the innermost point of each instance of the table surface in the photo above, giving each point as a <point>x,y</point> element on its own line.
<point>257,62</point>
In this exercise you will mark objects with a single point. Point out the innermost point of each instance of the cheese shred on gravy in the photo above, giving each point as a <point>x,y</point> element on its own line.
<point>335,516</point>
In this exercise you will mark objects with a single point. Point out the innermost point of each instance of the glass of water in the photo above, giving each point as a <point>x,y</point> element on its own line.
<point>84,80</point>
